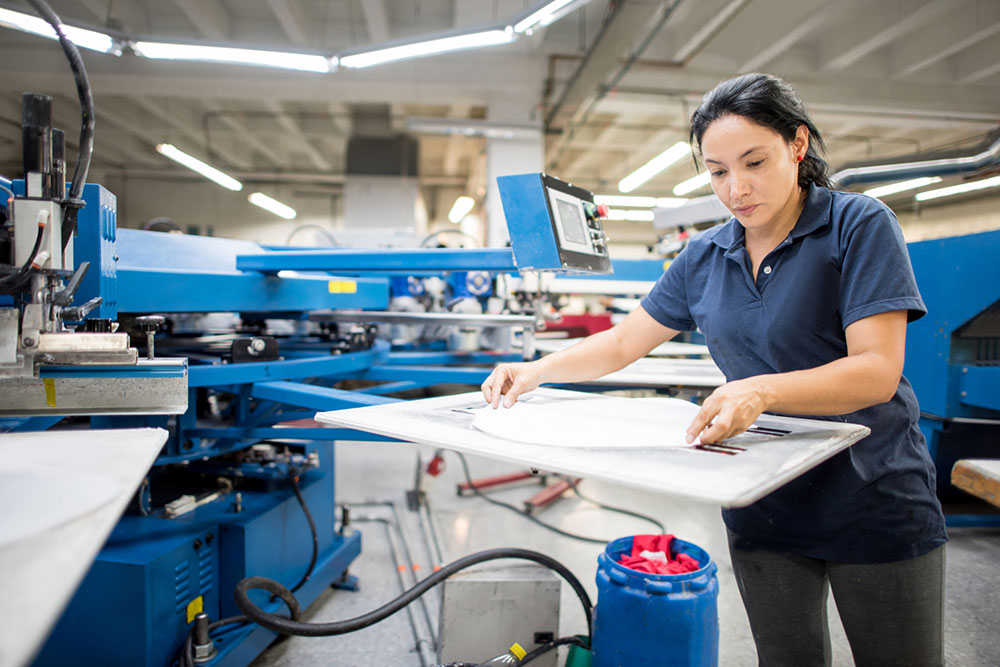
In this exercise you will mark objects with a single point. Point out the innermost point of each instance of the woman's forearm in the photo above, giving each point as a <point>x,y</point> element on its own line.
<point>841,386</point>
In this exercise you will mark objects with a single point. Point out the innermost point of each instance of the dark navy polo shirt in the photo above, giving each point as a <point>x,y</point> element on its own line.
<point>844,260</point>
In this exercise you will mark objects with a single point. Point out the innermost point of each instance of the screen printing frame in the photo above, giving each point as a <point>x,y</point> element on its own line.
<point>767,463</point>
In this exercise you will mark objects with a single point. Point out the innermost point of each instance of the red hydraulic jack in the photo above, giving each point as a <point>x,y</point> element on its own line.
<point>543,498</point>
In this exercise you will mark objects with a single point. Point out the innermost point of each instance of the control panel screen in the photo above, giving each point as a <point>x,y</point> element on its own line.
<point>571,218</point>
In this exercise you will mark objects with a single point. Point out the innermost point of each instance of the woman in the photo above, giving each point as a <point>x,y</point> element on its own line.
<point>803,298</point>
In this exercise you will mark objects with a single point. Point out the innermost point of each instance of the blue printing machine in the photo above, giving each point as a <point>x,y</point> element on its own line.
<point>154,574</point>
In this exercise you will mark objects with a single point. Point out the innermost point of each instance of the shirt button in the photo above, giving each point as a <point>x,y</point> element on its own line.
<point>767,269</point>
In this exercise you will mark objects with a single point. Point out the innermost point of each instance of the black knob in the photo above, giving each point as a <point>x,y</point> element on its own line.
<point>149,323</point>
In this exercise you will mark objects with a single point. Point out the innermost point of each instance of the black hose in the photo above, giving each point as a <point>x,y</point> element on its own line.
<point>285,626</point>
<point>545,648</point>
<point>312,528</point>
<point>73,202</point>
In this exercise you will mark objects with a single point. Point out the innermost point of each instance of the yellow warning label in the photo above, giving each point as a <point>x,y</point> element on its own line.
<point>343,286</point>
<point>50,391</point>
<point>195,607</point>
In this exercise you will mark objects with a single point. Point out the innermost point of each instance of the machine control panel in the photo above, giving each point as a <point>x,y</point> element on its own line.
<point>554,225</point>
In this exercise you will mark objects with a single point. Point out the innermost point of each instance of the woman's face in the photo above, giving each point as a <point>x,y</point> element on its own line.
<point>754,171</point>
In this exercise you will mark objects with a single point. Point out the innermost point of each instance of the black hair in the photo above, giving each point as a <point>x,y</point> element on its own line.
<point>772,103</point>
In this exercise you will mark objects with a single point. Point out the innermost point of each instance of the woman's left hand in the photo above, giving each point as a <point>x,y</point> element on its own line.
<point>734,407</point>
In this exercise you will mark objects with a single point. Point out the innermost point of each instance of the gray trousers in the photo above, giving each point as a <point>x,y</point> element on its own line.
<point>892,612</point>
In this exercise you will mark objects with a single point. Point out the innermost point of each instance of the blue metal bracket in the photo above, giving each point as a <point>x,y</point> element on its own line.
<point>315,397</point>
<point>380,260</point>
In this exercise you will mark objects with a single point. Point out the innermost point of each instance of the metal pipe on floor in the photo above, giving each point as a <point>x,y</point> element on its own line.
<point>425,649</point>
<point>408,554</point>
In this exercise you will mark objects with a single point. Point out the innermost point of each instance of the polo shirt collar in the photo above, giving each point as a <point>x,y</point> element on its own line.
<point>815,215</point>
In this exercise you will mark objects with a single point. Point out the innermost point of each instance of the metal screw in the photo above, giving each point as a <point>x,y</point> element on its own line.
<point>28,341</point>
<point>257,345</point>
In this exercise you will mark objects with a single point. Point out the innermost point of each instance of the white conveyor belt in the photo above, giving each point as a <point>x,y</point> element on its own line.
<point>61,493</point>
<point>766,463</point>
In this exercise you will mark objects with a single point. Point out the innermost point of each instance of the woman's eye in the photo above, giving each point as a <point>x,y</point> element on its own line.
<point>757,163</point>
<point>718,173</point>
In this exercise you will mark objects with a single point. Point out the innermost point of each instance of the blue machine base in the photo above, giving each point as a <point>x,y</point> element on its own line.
<point>135,604</point>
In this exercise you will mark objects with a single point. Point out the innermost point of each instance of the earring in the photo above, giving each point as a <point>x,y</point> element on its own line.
<point>799,158</point>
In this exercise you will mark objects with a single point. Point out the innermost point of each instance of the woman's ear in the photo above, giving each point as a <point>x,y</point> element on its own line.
<point>800,144</point>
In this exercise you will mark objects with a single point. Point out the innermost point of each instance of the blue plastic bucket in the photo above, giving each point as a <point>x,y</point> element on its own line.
<point>647,620</point>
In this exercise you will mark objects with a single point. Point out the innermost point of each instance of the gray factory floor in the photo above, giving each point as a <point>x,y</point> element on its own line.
<point>382,471</point>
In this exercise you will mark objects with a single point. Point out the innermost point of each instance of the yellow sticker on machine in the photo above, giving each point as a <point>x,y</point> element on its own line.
<point>343,286</point>
<point>50,391</point>
<point>195,607</point>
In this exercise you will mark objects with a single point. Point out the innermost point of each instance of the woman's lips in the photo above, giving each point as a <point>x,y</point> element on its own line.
<point>746,210</point>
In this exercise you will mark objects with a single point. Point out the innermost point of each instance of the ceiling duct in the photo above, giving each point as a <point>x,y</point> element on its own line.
<point>985,155</point>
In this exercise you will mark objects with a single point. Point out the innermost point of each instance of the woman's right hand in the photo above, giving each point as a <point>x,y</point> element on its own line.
<point>510,381</point>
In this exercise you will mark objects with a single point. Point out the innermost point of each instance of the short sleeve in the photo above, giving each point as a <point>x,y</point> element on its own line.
<point>667,302</point>
<point>876,275</point>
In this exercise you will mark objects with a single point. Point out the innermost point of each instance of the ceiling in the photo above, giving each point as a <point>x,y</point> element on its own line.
<point>611,83</point>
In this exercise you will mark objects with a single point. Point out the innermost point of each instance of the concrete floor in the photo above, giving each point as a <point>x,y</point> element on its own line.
<point>379,472</point>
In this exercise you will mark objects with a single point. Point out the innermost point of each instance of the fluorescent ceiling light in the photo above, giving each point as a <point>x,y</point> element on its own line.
<point>417,49</point>
<point>272,205</point>
<point>87,39</point>
<point>223,54</point>
<point>625,200</point>
<point>461,208</point>
<point>959,189</point>
<point>902,186</point>
<point>654,166</point>
<point>194,164</point>
<point>692,184</point>
<point>635,216</point>
<point>670,202</point>
<point>544,15</point>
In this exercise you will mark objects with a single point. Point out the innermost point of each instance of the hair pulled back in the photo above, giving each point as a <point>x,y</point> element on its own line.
<point>770,102</point>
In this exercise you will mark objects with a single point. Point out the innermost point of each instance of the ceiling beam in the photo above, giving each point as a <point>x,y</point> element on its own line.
<point>245,134</point>
<point>944,39</point>
<point>284,119</point>
<point>791,32</point>
<point>708,30</point>
<point>978,62</point>
<point>625,22</point>
<point>292,19</point>
<point>849,46</point>
<point>209,17</point>
<point>375,21</point>
<point>193,132</point>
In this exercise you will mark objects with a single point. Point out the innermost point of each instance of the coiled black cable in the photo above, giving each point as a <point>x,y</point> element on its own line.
<point>187,653</point>
<point>286,626</point>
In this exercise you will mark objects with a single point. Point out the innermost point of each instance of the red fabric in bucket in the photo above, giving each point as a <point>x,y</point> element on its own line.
<point>651,554</point>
